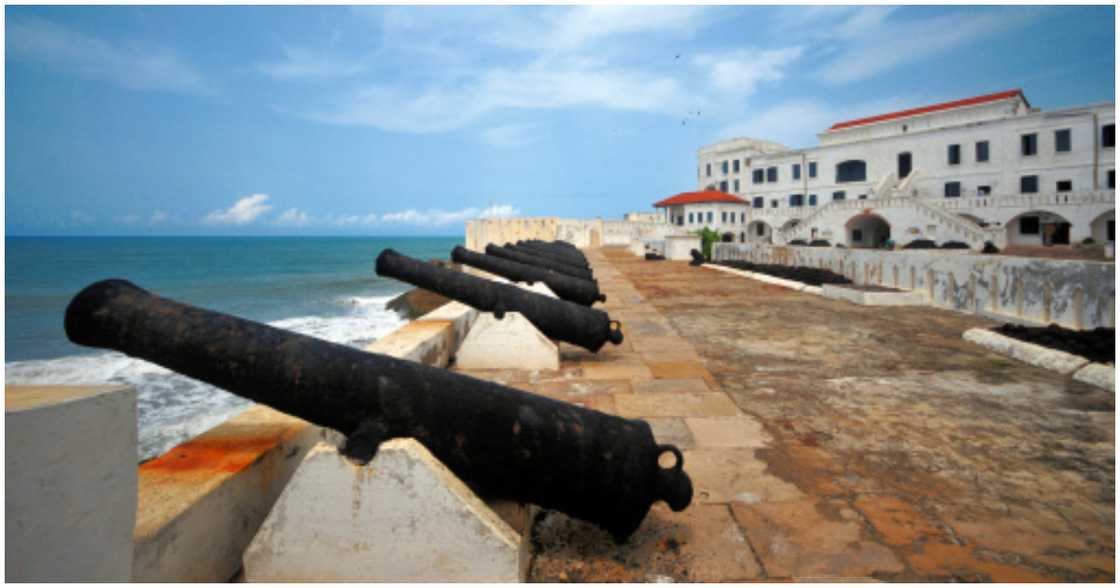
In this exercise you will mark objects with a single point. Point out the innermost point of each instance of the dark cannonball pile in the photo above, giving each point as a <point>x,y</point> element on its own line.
<point>1097,345</point>
<point>806,275</point>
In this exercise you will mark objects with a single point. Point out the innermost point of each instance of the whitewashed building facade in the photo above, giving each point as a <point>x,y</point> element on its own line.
<point>986,168</point>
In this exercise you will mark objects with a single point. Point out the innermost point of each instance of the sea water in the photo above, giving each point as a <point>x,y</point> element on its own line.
<point>322,287</point>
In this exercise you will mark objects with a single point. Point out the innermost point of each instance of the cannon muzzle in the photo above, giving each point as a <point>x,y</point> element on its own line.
<point>558,319</point>
<point>504,442</point>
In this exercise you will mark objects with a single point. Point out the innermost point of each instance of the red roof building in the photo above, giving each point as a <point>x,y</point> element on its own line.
<point>699,198</point>
<point>973,101</point>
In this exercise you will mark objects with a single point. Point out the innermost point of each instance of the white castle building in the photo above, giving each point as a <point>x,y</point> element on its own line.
<point>986,168</point>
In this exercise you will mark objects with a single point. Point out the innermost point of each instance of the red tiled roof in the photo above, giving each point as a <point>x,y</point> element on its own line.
<point>698,197</point>
<point>931,108</point>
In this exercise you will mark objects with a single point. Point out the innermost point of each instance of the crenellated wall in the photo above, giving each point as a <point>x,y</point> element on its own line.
<point>1073,294</point>
<point>581,233</point>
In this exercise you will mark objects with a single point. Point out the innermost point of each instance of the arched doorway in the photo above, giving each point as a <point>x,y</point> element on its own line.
<point>727,238</point>
<point>759,232</point>
<point>1103,228</point>
<point>905,164</point>
<point>867,231</point>
<point>1038,227</point>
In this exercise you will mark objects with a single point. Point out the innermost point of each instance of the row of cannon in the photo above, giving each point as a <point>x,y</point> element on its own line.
<point>503,442</point>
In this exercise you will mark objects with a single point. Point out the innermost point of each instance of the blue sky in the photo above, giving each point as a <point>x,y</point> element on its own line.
<point>408,120</point>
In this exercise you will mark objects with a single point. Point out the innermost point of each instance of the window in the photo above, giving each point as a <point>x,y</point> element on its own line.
<point>723,217</point>
<point>1028,184</point>
<point>796,199</point>
<point>812,169</point>
<point>1112,178</point>
<point>837,196</point>
<point>680,220</point>
<point>954,154</point>
<point>690,218</point>
<point>952,189</point>
<point>797,171</point>
<point>735,166</point>
<point>736,185</point>
<point>862,197</point>
<point>760,229</point>
<point>1108,135</point>
<point>1062,141</point>
<point>708,168</point>
<point>757,176</point>
<point>812,199</point>
<point>724,167</point>
<point>983,190</point>
<point>857,235</point>
<point>854,170</point>
<point>1065,185</point>
<point>1111,230</point>
<point>709,216</point>
<point>1028,225</point>
<point>981,151</point>
<point>743,217</point>
<point>1029,144</point>
<point>773,204</point>
<point>723,186</point>
<point>758,202</point>
<point>771,174</point>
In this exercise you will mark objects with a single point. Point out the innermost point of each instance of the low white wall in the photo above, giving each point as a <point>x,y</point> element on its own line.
<point>70,483</point>
<point>1073,294</point>
<point>679,248</point>
<point>579,232</point>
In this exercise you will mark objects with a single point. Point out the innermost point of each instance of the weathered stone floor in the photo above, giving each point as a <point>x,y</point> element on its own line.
<point>832,441</point>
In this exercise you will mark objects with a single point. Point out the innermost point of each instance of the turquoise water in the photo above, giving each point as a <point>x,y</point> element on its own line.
<point>323,287</point>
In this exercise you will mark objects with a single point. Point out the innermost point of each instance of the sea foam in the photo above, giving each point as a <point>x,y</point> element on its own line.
<point>173,408</point>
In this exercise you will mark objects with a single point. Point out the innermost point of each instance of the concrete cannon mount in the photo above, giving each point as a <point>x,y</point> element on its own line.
<point>828,440</point>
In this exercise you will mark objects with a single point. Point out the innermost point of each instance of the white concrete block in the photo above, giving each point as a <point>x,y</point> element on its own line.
<point>70,483</point>
<point>1097,374</point>
<point>404,517</point>
<point>1036,355</point>
<point>865,298</point>
<point>680,248</point>
<point>510,343</point>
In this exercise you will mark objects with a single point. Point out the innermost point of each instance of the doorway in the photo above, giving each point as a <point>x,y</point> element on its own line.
<point>905,165</point>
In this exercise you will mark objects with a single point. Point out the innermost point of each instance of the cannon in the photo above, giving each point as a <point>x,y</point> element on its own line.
<point>533,259</point>
<point>572,255</point>
<point>578,270</point>
<point>572,289</point>
<point>697,257</point>
<point>550,254</point>
<point>504,442</point>
<point>557,319</point>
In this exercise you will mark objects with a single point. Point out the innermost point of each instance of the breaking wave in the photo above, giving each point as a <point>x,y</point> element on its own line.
<point>173,408</point>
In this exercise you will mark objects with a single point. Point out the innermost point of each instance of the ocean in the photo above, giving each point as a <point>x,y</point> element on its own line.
<point>323,287</point>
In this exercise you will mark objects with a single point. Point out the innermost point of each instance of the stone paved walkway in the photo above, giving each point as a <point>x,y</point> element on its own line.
<point>832,441</point>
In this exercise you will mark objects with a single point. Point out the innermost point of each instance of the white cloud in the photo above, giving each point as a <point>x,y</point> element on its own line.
<point>743,70</point>
<point>305,64</point>
<point>128,65</point>
<point>880,45</point>
<point>158,217</point>
<point>128,219</point>
<point>448,106</point>
<point>513,135</point>
<point>293,217</point>
<point>438,218</point>
<point>80,217</point>
<point>243,212</point>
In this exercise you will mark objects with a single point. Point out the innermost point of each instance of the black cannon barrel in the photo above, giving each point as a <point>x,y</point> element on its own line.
<point>569,288</point>
<point>552,253</point>
<point>574,255</point>
<point>503,442</point>
<point>571,268</point>
<point>532,259</point>
<point>558,319</point>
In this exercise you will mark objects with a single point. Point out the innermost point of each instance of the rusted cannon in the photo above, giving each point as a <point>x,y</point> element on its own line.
<point>557,319</point>
<point>504,442</point>
<point>531,259</point>
<point>569,288</point>
<point>697,257</point>
<point>578,270</point>
<point>552,254</point>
